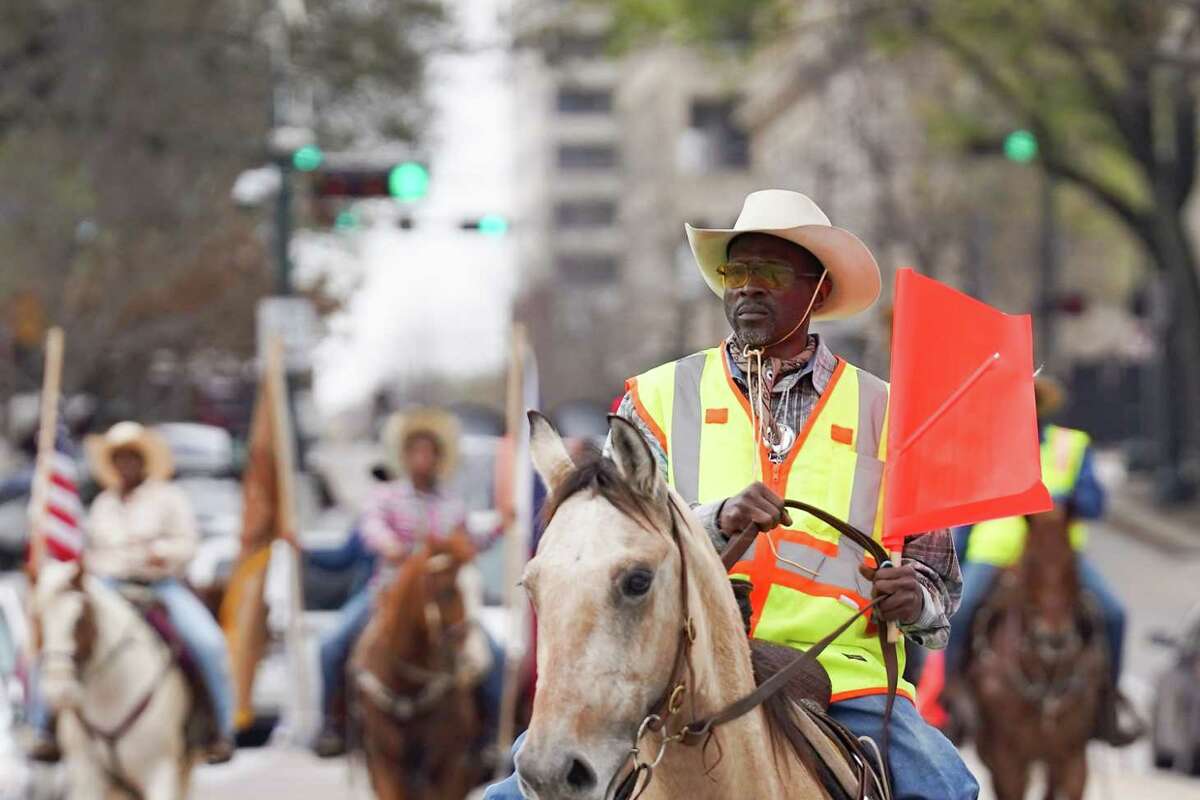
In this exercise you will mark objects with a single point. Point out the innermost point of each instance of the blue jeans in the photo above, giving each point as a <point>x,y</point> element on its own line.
<point>977,581</point>
<point>337,644</point>
<point>205,642</point>
<point>925,766</point>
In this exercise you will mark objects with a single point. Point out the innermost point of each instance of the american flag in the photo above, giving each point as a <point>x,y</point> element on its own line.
<point>62,522</point>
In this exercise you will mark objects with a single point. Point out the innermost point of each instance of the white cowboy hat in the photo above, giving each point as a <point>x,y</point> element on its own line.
<point>132,435</point>
<point>789,215</point>
<point>441,425</point>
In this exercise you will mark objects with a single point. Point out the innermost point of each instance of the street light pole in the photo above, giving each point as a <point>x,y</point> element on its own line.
<point>1048,261</point>
<point>283,229</point>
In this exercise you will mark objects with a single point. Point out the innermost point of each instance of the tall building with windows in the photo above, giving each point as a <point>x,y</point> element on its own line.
<point>615,153</point>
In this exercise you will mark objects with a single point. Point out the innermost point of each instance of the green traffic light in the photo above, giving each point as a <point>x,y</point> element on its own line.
<point>408,181</point>
<point>346,220</point>
<point>307,158</point>
<point>493,225</point>
<point>1021,146</point>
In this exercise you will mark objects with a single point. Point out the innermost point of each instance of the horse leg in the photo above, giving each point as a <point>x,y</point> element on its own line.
<point>1010,772</point>
<point>163,782</point>
<point>1067,778</point>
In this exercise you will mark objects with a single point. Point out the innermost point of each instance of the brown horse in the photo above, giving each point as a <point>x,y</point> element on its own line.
<point>411,685</point>
<point>1038,668</point>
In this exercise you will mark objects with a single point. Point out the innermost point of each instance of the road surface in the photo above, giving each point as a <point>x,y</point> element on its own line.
<point>1157,587</point>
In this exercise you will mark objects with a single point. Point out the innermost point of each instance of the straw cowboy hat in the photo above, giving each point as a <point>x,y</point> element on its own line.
<point>132,436</point>
<point>1049,394</point>
<point>442,425</point>
<point>789,215</point>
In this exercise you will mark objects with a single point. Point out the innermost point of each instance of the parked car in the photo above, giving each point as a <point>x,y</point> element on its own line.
<point>1175,723</point>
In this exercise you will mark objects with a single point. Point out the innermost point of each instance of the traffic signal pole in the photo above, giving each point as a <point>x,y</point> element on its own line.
<point>283,229</point>
<point>1048,258</point>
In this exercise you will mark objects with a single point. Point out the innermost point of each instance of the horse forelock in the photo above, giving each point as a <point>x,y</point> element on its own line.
<point>601,477</point>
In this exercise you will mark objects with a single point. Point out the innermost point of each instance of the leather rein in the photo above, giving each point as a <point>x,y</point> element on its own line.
<point>682,679</point>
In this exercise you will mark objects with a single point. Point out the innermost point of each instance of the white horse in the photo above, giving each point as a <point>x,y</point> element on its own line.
<point>612,602</point>
<point>121,700</point>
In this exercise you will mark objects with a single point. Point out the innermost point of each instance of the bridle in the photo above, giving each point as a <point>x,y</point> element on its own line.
<point>434,683</point>
<point>681,683</point>
<point>1059,679</point>
<point>82,670</point>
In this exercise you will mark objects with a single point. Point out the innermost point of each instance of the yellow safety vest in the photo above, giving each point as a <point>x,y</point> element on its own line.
<point>1002,541</point>
<point>806,578</point>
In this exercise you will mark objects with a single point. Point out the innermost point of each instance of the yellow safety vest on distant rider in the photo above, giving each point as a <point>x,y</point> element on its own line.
<point>1002,541</point>
<point>808,582</point>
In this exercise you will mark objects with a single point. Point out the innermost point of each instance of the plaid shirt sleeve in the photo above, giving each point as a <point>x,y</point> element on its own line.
<point>933,557</point>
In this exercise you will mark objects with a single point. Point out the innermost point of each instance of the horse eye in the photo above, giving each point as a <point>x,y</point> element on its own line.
<point>637,582</point>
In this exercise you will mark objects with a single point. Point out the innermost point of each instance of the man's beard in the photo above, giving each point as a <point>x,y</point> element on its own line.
<point>754,337</point>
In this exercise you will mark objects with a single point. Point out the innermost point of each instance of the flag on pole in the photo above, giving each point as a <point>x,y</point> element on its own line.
<point>243,612</point>
<point>61,519</point>
<point>962,443</point>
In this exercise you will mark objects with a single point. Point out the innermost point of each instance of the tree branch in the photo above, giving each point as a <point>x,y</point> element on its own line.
<point>1137,220</point>
<point>1184,172</point>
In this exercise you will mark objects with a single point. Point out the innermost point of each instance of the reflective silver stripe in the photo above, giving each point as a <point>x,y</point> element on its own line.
<point>686,416</point>
<point>868,474</point>
<point>840,571</point>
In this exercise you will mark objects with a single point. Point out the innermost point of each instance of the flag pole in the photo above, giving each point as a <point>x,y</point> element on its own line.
<point>47,426</point>
<point>282,433</point>
<point>514,545</point>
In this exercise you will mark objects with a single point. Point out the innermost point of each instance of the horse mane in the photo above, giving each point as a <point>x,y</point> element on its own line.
<point>601,476</point>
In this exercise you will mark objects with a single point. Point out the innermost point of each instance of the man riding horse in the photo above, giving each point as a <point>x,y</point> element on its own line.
<point>399,517</point>
<point>141,529</point>
<point>1068,470</point>
<point>772,413</point>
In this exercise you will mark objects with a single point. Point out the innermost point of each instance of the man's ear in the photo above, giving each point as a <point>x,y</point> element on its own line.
<point>823,292</point>
<point>634,459</point>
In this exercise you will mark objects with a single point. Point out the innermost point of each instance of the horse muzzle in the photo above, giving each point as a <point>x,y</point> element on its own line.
<point>557,773</point>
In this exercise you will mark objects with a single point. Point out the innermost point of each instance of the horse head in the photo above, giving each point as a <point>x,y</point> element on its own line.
<point>428,582</point>
<point>65,629</point>
<point>606,584</point>
<point>1050,581</point>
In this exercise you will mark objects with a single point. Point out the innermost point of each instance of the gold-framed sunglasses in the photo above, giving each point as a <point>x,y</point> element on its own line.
<point>774,275</point>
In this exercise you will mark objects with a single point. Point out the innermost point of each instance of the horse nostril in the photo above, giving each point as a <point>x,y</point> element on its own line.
<point>580,775</point>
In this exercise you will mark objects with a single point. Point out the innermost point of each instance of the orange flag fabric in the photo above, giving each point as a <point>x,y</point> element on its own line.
<point>962,425</point>
<point>244,610</point>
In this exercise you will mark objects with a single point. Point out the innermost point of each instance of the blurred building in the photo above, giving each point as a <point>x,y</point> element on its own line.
<point>615,154</point>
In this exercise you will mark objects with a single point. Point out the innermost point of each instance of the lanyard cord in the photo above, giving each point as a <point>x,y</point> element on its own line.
<point>754,361</point>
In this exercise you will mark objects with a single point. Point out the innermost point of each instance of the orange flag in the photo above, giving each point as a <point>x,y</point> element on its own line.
<point>962,427</point>
<point>244,609</point>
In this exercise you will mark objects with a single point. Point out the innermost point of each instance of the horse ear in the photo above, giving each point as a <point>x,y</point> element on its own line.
<point>550,456</point>
<point>633,457</point>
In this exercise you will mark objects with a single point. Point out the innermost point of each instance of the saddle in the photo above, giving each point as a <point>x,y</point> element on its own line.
<point>847,767</point>
<point>201,727</point>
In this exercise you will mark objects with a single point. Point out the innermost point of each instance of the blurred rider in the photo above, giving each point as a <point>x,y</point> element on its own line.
<point>141,529</point>
<point>399,516</point>
<point>1069,474</point>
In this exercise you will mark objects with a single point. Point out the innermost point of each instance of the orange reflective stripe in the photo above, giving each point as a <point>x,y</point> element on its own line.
<point>840,696</point>
<point>631,387</point>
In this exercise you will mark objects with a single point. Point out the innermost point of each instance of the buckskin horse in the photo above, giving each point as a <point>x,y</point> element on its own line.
<point>1038,667</point>
<point>411,681</point>
<point>122,701</point>
<point>646,681</point>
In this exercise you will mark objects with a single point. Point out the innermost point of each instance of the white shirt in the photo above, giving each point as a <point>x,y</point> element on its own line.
<point>125,535</point>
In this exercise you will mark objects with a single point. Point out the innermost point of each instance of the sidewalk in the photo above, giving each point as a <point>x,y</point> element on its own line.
<point>1133,509</point>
